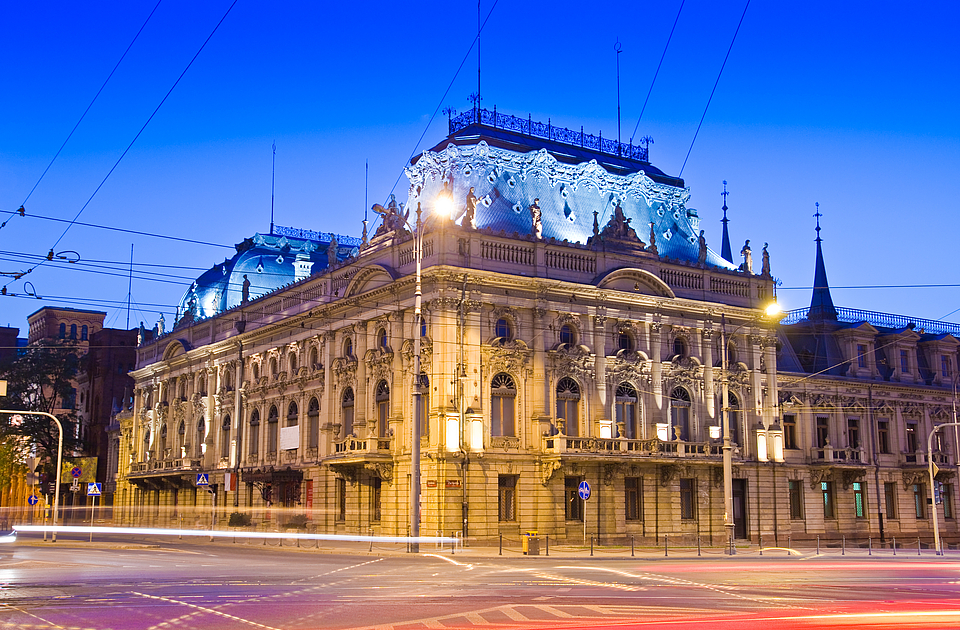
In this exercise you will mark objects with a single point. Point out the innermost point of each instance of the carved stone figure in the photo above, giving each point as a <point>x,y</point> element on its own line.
<point>393,220</point>
<point>332,251</point>
<point>245,290</point>
<point>653,239</point>
<point>141,335</point>
<point>537,218</point>
<point>765,262</point>
<point>702,255</point>
<point>161,325</point>
<point>747,254</point>
<point>470,218</point>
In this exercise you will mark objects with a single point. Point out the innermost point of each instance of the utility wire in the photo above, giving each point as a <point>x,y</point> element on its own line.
<point>126,231</point>
<point>137,136</point>
<point>650,91</point>
<point>83,115</point>
<point>719,74</point>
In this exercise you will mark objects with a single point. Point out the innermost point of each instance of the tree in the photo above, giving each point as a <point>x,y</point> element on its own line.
<point>42,378</point>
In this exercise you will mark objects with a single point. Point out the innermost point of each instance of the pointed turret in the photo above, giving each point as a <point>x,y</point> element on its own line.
<point>821,304</point>
<point>725,251</point>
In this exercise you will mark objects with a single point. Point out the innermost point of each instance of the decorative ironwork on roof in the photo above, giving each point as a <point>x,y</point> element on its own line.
<point>881,320</point>
<point>312,235</point>
<point>547,131</point>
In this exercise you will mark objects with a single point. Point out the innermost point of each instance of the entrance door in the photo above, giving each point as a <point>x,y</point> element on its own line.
<point>740,508</point>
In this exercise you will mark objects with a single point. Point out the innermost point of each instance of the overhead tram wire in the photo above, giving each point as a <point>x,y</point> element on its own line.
<point>447,91</point>
<point>83,115</point>
<point>655,74</point>
<point>139,133</point>
<point>124,230</point>
<point>713,91</point>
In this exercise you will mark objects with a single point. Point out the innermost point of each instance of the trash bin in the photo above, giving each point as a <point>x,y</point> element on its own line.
<point>531,543</point>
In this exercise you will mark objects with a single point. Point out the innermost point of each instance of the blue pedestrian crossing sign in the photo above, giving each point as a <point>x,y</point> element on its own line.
<point>203,479</point>
<point>584,490</point>
<point>93,489</point>
<point>33,500</point>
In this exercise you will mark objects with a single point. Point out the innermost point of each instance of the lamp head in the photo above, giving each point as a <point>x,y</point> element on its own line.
<point>444,203</point>
<point>773,309</point>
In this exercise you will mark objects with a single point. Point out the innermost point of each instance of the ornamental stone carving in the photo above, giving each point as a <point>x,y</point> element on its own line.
<point>384,470</point>
<point>344,372</point>
<point>379,365</point>
<point>504,442</point>
<point>513,357</point>
<point>547,469</point>
<point>426,355</point>
<point>818,476</point>
<point>572,361</point>
<point>849,475</point>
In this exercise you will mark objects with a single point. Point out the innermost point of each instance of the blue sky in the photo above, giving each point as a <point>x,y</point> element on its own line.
<point>820,102</point>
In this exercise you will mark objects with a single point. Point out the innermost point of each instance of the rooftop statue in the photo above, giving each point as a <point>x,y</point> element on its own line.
<point>392,220</point>
<point>332,250</point>
<point>536,215</point>
<point>245,290</point>
<point>653,239</point>
<point>702,255</point>
<point>747,253</point>
<point>470,217</point>
<point>765,262</point>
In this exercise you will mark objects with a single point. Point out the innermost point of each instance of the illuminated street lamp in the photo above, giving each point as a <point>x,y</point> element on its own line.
<point>931,470</point>
<point>770,311</point>
<point>56,494</point>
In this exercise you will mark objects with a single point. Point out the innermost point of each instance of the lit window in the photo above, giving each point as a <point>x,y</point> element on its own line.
<point>858,500</point>
<point>567,334</point>
<point>829,509</point>
<point>568,405</point>
<point>680,414</point>
<point>627,411</point>
<point>346,409</point>
<point>503,395</point>
<point>383,407</point>
<point>507,498</point>
<point>796,499</point>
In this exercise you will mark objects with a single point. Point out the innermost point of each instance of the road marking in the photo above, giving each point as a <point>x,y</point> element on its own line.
<point>207,610</point>
<point>513,613</point>
<point>450,560</point>
<point>337,570</point>
<point>556,612</point>
<point>20,610</point>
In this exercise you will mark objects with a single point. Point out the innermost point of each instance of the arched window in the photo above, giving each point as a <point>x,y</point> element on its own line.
<point>627,411</point>
<point>383,407</point>
<point>181,438</point>
<point>228,379</point>
<point>73,331</point>
<point>382,340</point>
<point>163,442</point>
<point>63,331</point>
<point>182,387</point>
<point>680,414</point>
<point>293,413</point>
<point>503,396</point>
<point>348,347</point>
<point>624,341</point>
<point>201,436</point>
<point>568,405</point>
<point>274,370</point>
<point>314,358</point>
<point>225,437</point>
<point>313,422</point>
<point>423,326</point>
<point>202,385</point>
<point>734,416</point>
<point>346,412</point>
<point>293,363</point>
<point>568,334</point>
<point>680,348</point>
<point>273,421</point>
<point>256,371</point>
<point>83,333</point>
<point>254,433</point>
<point>503,330</point>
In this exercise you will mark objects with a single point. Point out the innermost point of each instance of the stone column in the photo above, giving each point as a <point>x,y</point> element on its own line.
<point>363,402</point>
<point>707,336</point>
<point>602,425</point>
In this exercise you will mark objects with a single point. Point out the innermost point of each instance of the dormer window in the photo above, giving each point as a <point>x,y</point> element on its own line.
<point>904,362</point>
<point>348,347</point>
<point>382,340</point>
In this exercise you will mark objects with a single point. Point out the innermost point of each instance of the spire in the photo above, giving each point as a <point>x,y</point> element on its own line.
<point>821,305</point>
<point>725,246</point>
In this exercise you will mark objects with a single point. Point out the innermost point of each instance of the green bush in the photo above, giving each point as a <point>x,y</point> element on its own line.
<point>238,519</point>
<point>299,521</point>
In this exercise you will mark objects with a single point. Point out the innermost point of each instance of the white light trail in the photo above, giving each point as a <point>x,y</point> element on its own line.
<point>216,533</point>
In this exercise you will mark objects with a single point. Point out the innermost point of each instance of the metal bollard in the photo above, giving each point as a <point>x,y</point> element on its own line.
<point>453,544</point>
<point>918,544</point>
<point>547,541</point>
<point>843,545</point>
<point>870,546</point>
<point>761,545</point>
<point>894,545</point>
<point>664,545</point>
<point>631,547</point>
<point>501,544</point>
<point>818,544</point>
<point>698,546</point>
<point>591,546</point>
<point>789,542</point>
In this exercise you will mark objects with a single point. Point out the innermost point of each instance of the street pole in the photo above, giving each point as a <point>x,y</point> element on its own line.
<point>417,397</point>
<point>727,445</point>
<point>930,465</point>
<point>56,494</point>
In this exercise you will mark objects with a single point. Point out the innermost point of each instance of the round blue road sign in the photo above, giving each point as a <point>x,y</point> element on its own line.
<point>584,490</point>
<point>33,499</point>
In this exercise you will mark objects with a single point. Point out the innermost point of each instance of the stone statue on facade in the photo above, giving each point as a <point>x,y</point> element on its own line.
<point>141,335</point>
<point>332,251</point>
<point>470,218</point>
<point>161,325</point>
<point>653,239</point>
<point>765,262</point>
<point>245,290</point>
<point>747,253</point>
<point>393,217</point>
<point>537,217</point>
<point>702,254</point>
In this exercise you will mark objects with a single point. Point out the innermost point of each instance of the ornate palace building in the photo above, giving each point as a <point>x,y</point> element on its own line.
<point>573,330</point>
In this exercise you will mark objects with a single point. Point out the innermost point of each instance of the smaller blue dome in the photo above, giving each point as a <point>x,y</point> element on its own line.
<point>268,262</point>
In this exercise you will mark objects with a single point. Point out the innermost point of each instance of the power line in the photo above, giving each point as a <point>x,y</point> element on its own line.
<point>650,91</point>
<point>83,115</point>
<point>722,66</point>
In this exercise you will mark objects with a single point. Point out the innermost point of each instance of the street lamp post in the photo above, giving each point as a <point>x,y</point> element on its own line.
<point>56,494</point>
<point>727,445</point>
<point>930,467</point>
<point>417,394</point>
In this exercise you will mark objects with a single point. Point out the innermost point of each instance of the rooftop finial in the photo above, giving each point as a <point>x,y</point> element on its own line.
<point>725,251</point>
<point>818,214</point>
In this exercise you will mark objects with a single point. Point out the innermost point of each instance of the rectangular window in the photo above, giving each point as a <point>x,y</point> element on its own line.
<point>823,431</point>
<point>911,437</point>
<point>853,432</point>
<point>919,500</point>
<point>904,363</point>
<point>861,356</point>
<point>341,499</point>
<point>944,366</point>
<point>883,435</point>
<point>376,488</point>
<point>858,500</point>
<point>946,495</point>
<point>632,498</point>
<point>890,499</point>
<point>829,508</point>
<point>790,432</point>
<point>574,507</point>
<point>507,510</point>
<point>688,499</point>
<point>796,499</point>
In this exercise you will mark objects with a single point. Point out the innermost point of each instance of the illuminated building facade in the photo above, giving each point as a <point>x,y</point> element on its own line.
<point>571,331</point>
